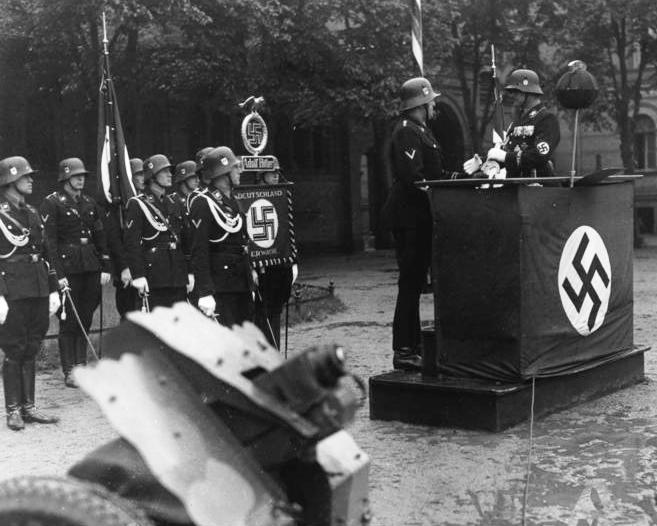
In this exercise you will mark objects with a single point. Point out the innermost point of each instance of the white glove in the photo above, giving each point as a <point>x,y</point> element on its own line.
<point>54,303</point>
<point>126,277</point>
<point>472,165</point>
<point>496,154</point>
<point>295,273</point>
<point>190,283</point>
<point>207,305</point>
<point>140,284</point>
<point>105,278</point>
<point>254,275</point>
<point>4,309</point>
<point>63,283</point>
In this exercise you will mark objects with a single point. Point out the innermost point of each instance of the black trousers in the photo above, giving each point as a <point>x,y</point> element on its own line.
<point>85,293</point>
<point>20,339</point>
<point>164,296</point>
<point>234,308</point>
<point>274,290</point>
<point>126,299</point>
<point>413,252</point>
<point>24,329</point>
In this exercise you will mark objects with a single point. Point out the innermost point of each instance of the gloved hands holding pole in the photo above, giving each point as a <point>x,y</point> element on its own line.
<point>207,305</point>
<point>141,284</point>
<point>126,277</point>
<point>105,278</point>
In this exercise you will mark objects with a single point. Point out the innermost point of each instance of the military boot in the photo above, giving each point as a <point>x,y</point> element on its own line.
<point>406,359</point>
<point>11,380</point>
<point>67,358</point>
<point>29,412</point>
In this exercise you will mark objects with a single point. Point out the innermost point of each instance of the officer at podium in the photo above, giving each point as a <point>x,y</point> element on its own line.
<point>415,156</point>
<point>532,138</point>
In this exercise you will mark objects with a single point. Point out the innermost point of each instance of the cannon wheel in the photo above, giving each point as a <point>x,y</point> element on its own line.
<point>53,501</point>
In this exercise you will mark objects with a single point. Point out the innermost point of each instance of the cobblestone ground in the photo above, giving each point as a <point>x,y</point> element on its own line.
<point>593,464</point>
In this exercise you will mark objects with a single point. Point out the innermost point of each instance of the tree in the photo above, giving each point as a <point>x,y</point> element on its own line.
<point>618,41</point>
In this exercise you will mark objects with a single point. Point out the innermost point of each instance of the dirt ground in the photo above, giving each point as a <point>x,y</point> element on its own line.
<point>594,464</point>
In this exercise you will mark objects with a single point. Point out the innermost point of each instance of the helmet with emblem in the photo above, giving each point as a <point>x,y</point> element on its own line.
<point>136,166</point>
<point>13,168</point>
<point>524,80</point>
<point>200,156</point>
<point>155,164</point>
<point>70,167</point>
<point>219,161</point>
<point>416,92</point>
<point>184,171</point>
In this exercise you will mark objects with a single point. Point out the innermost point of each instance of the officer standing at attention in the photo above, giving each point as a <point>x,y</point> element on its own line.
<point>534,134</point>
<point>220,259</point>
<point>28,292</point>
<point>155,239</point>
<point>202,175</point>
<point>125,295</point>
<point>77,242</point>
<point>186,181</point>
<point>415,156</point>
<point>274,281</point>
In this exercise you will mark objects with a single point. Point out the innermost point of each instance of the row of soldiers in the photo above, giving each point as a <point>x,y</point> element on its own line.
<point>164,246</point>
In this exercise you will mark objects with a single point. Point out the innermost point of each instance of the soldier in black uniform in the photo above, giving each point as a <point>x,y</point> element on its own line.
<point>224,277</point>
<point>28,292</point>
<point>416,156</point>
<point>186,181</point>
<point>274,282</point>
<point>533,136</point>
<point>77,242</point>
<point>155,238</point>
<point>125,295</point>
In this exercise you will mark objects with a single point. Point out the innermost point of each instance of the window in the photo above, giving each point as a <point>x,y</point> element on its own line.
<point>644,142</point>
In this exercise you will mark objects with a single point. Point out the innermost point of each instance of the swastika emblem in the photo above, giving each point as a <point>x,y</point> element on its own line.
<point>254,133</point>
<point>262,223</point>
<point>585,280</point>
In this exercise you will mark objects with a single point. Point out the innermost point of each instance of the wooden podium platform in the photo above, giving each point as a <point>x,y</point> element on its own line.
<point>529,282</point>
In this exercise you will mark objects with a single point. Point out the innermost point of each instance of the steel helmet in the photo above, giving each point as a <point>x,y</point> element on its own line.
<point>184,171</point>
<point>136,166</point>
<point>200,156</point>
<point>155,164</point>
<point>13,168</point>
<point>524,80</point>
<point>70,167</point>
<point>416,92</point>
<point>221,158</point>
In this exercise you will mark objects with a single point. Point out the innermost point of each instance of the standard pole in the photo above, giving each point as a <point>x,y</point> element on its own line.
<point>572,165</point>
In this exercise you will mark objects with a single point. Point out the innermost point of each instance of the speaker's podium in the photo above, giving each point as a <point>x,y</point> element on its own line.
<point>532,290</point>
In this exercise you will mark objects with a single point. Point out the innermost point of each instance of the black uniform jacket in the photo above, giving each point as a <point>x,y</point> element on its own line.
<point>531,144</point>
<point>220,259</point>
<point>75,234</point>
<point>415,156</point>
<point>25,271</point>
<point>159,254</point>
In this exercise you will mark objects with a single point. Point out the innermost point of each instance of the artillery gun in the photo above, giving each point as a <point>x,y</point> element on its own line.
<point>214,429</point>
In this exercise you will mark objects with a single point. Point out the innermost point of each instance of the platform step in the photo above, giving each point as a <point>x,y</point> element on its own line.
<point>478,404</point>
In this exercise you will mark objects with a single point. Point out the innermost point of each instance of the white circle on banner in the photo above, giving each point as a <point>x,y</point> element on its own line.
<point>585,280</point>
<point>262,223</point>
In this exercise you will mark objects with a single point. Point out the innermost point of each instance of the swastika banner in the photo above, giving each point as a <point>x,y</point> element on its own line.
<point>269,222</point>
<point>533,281</point>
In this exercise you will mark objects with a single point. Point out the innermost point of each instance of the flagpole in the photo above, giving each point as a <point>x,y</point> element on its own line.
<point>416,33</point>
